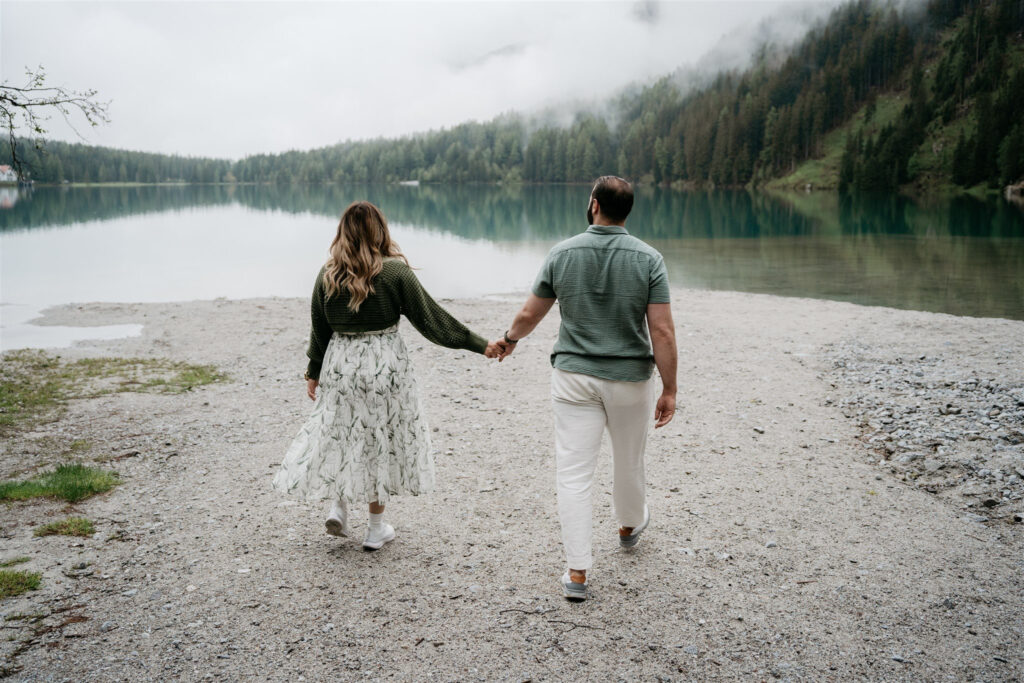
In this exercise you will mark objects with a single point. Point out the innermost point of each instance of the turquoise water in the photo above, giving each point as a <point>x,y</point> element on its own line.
<point>61,245</point>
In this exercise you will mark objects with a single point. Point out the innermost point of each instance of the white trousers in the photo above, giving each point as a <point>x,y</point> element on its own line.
<point>584,406</point>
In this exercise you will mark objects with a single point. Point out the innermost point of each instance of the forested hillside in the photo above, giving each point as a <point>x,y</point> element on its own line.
<point>73,162</point>
<point>880,96</point>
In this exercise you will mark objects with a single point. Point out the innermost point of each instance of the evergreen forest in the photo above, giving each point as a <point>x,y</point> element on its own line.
<point>878,97</point>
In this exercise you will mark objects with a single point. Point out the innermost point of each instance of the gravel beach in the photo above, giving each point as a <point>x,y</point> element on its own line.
<point>839,496</point>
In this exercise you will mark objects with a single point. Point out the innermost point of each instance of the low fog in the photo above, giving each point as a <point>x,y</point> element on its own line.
<point>231,79</point>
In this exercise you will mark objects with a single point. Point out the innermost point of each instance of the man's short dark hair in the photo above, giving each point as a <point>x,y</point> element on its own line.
<point>614,195</point>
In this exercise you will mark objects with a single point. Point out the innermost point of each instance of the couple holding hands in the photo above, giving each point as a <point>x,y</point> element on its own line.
<point>367,439</point>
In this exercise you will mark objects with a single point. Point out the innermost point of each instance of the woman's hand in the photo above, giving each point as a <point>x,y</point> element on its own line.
<point>311,385</point>
<point>493,350</point>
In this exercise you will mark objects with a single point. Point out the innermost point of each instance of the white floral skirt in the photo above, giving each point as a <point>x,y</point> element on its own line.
<point>366,439</point>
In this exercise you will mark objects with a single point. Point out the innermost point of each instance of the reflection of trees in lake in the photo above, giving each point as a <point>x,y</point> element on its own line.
<point>949,274</point>
<point>544,212</point>
<point>960,256</point>
<point>53,206</point>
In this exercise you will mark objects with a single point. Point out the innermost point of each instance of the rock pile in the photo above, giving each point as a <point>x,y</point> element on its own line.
<point>947,429</point>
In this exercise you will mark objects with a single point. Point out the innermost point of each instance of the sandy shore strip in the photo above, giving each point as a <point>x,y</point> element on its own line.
<point>839,497</point>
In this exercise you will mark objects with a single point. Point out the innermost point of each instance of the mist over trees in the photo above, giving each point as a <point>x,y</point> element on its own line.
<point>957,64</point>
<point>976,83</point>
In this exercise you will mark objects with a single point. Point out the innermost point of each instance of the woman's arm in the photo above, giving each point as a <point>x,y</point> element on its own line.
<point>320,330</point>
<point>433,321</point>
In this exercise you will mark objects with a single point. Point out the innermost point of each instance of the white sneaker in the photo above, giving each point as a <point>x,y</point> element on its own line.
<point>375,539</point>
<point>577,592</point>
<point>634,536</point>
<point>337,519</point>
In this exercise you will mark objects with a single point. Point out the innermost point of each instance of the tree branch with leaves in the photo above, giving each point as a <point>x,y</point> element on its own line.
<point>26,110</point>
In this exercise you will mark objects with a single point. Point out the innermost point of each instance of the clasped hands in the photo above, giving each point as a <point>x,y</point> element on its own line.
<point>499,348</point>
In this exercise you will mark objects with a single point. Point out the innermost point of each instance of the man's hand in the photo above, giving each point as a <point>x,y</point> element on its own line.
<point>665,410</point>
<point>504,348</point>
<point>311,385</point>
<point>663,339</point>
<point>493,350</point>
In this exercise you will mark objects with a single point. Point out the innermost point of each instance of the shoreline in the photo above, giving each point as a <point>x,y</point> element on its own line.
<point>777,187</point>
<point>780,545</point>
<point>54,315</point>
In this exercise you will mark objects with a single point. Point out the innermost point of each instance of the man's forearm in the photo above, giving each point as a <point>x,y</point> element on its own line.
<point>522,325</point>
<point>666,358</point>
<point>529,316</point>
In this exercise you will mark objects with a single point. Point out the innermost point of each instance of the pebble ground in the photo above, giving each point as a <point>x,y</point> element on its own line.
<point>790,538</point>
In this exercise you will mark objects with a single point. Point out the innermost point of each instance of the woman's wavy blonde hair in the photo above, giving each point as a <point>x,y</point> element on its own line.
<point>358,252</point>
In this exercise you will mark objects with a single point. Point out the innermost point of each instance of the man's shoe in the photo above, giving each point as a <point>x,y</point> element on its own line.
<point>574,591</point>
<point>337,519</point>
<point>375,539</point>
<point>629,540</point>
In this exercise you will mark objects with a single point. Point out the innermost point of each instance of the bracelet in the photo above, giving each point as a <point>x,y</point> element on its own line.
<point>509,340</point>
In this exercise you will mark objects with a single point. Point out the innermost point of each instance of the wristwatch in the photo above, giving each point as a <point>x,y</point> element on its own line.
<point>509,340</point>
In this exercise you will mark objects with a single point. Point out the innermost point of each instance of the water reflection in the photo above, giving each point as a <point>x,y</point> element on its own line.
<point>8,197</point>
<point>961,256</point>
<point>543,212</point>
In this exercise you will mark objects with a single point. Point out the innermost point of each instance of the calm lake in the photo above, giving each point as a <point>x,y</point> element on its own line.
<point>171,243</point>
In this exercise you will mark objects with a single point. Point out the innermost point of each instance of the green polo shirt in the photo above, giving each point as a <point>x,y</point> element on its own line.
<point>603,280</point>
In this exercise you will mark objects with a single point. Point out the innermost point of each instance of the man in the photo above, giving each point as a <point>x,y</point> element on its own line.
<point>611,288</point>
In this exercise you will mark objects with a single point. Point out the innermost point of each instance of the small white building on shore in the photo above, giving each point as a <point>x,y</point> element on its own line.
<point>8,176</point>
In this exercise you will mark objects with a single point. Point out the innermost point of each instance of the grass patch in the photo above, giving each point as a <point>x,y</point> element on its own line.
<point>14,561</point>
<point>15,582</point>
<point>72,526</point>
<point>22,616</point>
<point>78,446</point>
<point>34,386</point>
<point>823,172</point>
<point>69,482</point>
<point>28,385</point>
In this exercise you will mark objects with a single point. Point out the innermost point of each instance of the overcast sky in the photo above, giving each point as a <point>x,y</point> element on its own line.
<point>228,79</point>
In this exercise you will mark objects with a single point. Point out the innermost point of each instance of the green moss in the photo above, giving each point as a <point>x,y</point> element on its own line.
<point>15,582</point>
<point>34,386</point>
<point>22,616</point>
<point>68,482</point>
<point>14,561</point>
<point>29,384</point>
<point>72,526</point>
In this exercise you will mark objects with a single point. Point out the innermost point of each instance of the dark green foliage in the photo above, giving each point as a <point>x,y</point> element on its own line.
<point>1011,156</point>
<point>957,59</point>
<point>76,163</point>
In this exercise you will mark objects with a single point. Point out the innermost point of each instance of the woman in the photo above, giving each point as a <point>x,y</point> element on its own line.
<point>367,438</point>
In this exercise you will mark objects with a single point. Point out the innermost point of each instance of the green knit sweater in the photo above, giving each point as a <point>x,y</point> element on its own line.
<point>396,291</point>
